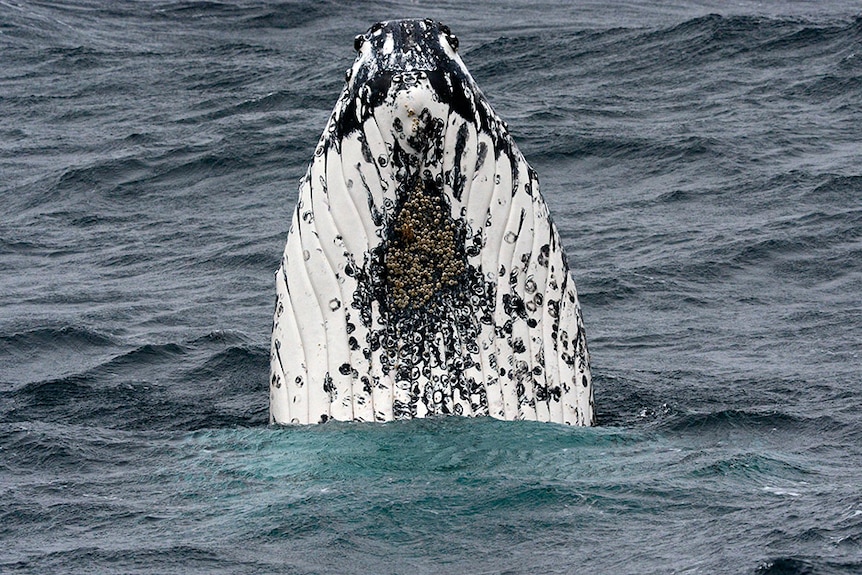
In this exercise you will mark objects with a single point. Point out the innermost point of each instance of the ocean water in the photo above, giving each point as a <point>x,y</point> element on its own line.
<point>703,161</point>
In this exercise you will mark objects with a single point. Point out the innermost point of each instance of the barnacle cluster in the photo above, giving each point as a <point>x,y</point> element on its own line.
<point>411,113</point>
<point>423,255</point>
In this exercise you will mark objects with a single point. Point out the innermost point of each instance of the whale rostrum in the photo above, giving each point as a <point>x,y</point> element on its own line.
<point>423,274</point>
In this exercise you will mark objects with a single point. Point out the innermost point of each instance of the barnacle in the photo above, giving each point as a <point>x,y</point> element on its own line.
<point>423,255</point>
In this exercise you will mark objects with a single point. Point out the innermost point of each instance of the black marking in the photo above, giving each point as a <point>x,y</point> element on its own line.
<point>459,179</point>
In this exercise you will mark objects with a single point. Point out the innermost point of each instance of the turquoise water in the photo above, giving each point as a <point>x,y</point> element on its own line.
<point>443,495</point>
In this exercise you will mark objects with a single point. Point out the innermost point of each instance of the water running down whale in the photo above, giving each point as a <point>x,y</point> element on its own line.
<point>423,274</point>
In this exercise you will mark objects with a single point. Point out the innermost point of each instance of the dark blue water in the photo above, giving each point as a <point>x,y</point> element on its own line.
<point>703,161</point>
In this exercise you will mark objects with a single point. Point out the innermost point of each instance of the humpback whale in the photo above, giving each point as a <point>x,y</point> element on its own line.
<point>423,274</point>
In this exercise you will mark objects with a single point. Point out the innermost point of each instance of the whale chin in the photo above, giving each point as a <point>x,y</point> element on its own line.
<point>422,273</point>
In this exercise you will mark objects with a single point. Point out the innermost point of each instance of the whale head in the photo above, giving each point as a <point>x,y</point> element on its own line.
<point>422,273</point>
<point>405,46</point>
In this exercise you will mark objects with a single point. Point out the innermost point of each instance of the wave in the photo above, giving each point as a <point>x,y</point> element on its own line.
<point>131,177</point>
<point>703,40</point>
<point>799,246</point>
<point>136,558</point>
<point>286,15</point>
<point>276,101</point>
<point>836,189</point>
<point>750,421</point>
<point>252,15</point>
<point>715,37</point>
<point>803,566</point>
<point>754,467</point>
<point>572,145</point>
<point>51,351</point>
<point>814,244</point>
<point>144,355</point>
<point>214,381</point>
<point>603,291</point>
<point>825,89</point>
<point>62,336</point>
<point>110,172</point>
<point>61,448</point>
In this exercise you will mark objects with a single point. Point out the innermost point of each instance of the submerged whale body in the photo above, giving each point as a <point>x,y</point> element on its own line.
<point>423,274</point>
